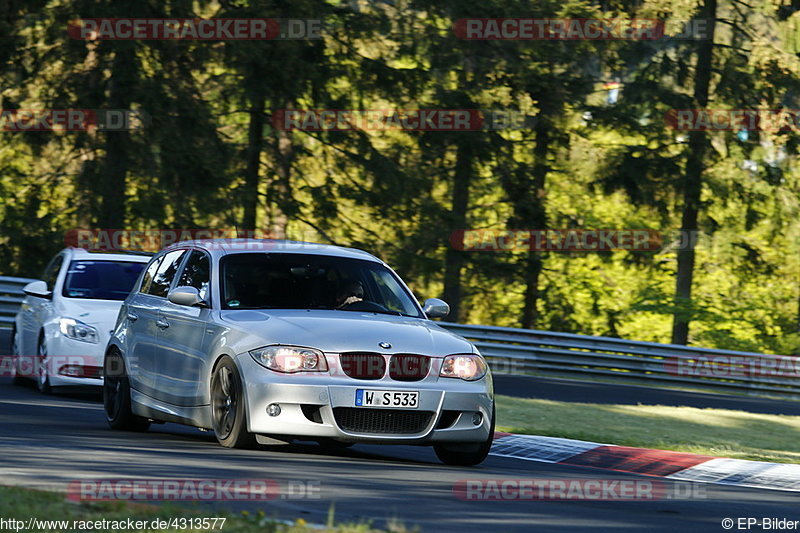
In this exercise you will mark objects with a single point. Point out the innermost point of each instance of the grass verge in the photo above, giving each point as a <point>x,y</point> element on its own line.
<point>23,504</point>
<point>717,432</point>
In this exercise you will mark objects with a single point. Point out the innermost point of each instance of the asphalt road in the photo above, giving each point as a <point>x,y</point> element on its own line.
<point>46,442</point>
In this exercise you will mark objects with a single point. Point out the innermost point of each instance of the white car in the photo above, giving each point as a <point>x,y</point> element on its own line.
<point>61,330</point>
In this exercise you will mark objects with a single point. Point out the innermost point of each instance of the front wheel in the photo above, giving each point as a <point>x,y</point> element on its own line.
<point>466,453</point>
<point>43,377</point>
<point>117,396</point>
<point>228,413</point>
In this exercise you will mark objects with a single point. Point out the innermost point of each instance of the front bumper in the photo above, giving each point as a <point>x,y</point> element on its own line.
<point>308,400</point>
<point>72,362</point>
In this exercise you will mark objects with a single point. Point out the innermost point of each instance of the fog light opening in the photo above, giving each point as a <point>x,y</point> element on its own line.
<point>477,418</point>
<point>273,409</point>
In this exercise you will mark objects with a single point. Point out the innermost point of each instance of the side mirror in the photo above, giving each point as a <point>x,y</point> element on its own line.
<point>435,308</point>
<point>37,289</point>
<point>188,296</point>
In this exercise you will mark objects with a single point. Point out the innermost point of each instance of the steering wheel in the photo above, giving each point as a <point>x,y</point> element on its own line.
<point>365,305</point>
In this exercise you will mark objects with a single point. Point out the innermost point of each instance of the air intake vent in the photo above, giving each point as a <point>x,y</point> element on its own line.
<point>382,421</point>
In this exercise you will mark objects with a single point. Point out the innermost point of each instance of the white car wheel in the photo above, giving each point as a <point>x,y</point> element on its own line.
<point>43,374</point>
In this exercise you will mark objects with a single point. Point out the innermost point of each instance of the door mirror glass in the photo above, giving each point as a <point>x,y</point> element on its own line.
<point>37,289</point>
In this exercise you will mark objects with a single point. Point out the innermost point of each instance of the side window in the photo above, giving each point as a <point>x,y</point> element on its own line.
<point>166,271</point>
<point>197,273</point>
<point>147,279</point>
<point>51,272</point>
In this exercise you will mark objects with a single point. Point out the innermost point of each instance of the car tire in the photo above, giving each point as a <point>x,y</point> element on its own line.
<point>228,409</point>
<point>466,453</point>
<point>16,378</point>
<point>42,373</point>
<point>117,396</point>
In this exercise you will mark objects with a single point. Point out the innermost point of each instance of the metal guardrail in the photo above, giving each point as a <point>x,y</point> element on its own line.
<point>528,351</point>
<point>11,296</point>
<point>524,351</point>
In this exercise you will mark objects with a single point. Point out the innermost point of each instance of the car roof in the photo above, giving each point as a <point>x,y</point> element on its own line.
<point>227,246</point>
<point>110,255</point>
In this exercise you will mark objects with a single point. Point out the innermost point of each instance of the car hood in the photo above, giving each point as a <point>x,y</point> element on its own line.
<point>98,313</point>
<point>346,331</point>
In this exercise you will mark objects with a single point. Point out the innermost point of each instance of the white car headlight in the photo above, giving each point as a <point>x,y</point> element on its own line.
<point>75,329</point>
<point>469,367</point>
<point>290,359</point>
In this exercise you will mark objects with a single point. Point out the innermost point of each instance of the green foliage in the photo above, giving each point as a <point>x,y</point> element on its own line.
<point>584,163</point>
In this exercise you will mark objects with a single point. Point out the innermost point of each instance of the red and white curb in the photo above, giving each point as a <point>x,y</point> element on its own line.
<point>673,465</point>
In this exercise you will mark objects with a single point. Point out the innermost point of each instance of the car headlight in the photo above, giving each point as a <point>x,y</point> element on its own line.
<point>469,367</point>
<point>75,329</point>
<point>290,359</point>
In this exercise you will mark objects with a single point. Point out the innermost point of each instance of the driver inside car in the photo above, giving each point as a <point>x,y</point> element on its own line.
<point>351,292</point>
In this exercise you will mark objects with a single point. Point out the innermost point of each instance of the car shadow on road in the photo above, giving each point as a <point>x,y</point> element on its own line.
<point>171,432</point>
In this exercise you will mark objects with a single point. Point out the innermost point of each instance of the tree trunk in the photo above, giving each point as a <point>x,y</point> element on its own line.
<point>693,182</point>
<point>279,197</point>
<point>255,144</point>
<point>537,218</point>
<point>454,259</point>
<point>123,78</point>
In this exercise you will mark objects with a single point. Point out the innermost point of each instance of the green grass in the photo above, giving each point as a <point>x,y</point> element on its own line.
<point>717,432</point>
<point>22,504</point>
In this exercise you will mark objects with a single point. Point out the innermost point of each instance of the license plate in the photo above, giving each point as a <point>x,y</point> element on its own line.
<point>387,398</point>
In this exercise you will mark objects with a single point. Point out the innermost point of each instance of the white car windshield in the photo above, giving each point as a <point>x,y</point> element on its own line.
<point>101,280</point>
<point>305,281</point>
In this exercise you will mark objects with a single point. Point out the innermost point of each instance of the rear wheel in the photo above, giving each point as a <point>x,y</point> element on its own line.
<point>228,413</point>
<point>16,378</point>
<point>466,453</point>
<point>117,396</point>
<point>43,376</point>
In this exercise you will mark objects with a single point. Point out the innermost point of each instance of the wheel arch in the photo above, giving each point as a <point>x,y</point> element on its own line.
<point>245,396</point>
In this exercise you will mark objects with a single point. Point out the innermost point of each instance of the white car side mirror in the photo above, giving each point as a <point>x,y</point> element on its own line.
<point>37,289</point>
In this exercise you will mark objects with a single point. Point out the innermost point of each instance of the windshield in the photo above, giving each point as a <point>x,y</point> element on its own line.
<point>304,281</point>
<point>101,280</point>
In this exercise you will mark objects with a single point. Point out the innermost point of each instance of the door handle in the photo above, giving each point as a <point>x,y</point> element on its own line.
<point>162,323</point>
<point>133,317</point>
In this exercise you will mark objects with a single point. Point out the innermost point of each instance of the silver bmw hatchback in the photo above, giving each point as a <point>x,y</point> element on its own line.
<point>260,340</point>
